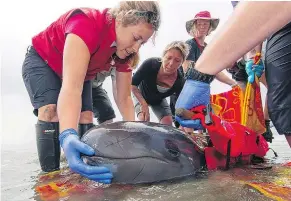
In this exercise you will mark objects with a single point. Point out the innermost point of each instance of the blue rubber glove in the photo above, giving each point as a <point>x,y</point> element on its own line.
<point>194,93</point>
<point>73,148</point>
<point>254,70</point>
<point>195,124</point>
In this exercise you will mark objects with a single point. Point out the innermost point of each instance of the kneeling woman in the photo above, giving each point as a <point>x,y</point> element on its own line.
<point>156,79</point>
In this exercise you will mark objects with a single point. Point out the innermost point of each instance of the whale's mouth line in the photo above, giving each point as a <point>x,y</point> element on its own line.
<point>97,160</point>
<point>129,158</point>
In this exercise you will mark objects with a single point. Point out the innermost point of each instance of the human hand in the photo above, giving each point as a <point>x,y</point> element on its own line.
<point>73,148</point>
<point>194,93</point>
<point>254,69</point>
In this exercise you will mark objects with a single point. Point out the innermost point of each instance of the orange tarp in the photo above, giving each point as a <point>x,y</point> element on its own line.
<point>235,106</point>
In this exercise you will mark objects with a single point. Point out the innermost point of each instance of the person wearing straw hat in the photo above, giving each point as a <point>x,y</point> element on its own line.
<point>198,28</point>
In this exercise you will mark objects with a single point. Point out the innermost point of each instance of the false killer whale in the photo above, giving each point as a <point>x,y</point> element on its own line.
<point>142,152</point>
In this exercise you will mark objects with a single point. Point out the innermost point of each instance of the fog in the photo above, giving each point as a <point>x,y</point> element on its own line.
<point>23,19</point>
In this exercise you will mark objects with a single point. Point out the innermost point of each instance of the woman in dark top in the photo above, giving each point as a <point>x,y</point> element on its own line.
<point>156,79</point>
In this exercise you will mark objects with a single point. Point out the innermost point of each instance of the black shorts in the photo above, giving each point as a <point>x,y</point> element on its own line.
<point>102,106</point>
<point>278,76</point>
<point>43,84</point>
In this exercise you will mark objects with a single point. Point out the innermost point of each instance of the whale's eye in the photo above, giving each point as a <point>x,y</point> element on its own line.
<point>174,153</point>
<point>172,148</point>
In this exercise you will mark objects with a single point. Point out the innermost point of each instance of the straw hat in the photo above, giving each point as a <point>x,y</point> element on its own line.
<point>205,15</point>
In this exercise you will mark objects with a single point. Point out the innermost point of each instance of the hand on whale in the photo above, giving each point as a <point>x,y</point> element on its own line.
<point>142,152</point>
<point>73,147</point>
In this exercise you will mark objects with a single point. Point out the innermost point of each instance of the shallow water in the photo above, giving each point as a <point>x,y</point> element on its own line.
<point>20,174</point>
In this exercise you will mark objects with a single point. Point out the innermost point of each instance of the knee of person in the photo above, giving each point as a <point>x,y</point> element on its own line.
<point>48,113</point>
<point>86,117</point>
<point>166,120</point>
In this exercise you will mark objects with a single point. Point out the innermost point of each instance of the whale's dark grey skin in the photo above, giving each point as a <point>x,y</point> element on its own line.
<point>142,152</point>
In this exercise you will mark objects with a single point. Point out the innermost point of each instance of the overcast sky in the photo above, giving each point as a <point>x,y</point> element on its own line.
<point>24,18</point>
<point>31,16</point>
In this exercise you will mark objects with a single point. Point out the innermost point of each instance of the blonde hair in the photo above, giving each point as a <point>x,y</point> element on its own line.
<point>178,45</point>
<point>134,60</point>
<point>134,12</point>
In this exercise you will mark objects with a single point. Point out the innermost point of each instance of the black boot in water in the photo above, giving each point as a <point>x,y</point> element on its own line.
<point>268,135</point>
<point>83,128</point>
<point>48,145</point>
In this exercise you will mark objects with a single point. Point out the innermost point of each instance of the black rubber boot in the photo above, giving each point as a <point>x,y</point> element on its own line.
<point>83,128</point>
<point>48,145</point>
<point>268,135</point>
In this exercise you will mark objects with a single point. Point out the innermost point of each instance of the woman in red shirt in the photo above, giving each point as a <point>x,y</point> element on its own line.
<point>62,61</point>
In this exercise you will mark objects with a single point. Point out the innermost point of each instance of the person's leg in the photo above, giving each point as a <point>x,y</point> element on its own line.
<point>86,116</point>
<point>43,87</point>
<point>278,73</point>
<point>264,82</point>
<point>167,120</point>
<point>163,112</point>
<point>268,135</point>
<point>288,138</point>
<point>102,107</point>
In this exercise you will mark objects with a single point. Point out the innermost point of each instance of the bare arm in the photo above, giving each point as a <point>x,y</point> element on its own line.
<point>114,89</point>
<point>256,19</point>
<point>124,100</point>
<point>144,114</point>
<point>185,65</point>
<point>138,77</point>
<point>114,92</point>
<point>258,48</point>
<point>222,77</point>
<point>75,63</point>
<point>138,95</point>
<point>253,52</point>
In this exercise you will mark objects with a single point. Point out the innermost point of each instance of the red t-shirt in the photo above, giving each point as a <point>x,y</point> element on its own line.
<point>93,27</point>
